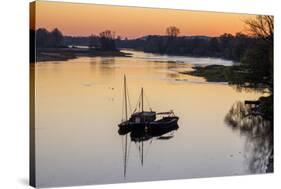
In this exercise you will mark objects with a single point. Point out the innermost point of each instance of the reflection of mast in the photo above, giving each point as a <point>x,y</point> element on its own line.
<point>142,153</point>
<point>136,125</point>
<point>139,138</point>
<point>126,118</point>
<point>125,157</point>
<point>143,121</point>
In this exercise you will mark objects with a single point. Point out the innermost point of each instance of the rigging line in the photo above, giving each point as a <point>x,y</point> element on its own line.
<point>139,102</point>
<point>147,101</point>
<point>129,152</point>
<point>129,100</point>
<point>139,105</point>
<point>139,150</point>
<point>123,104</point>
<point>149,145</point>
<point>122,107</point>
<point>140,98</point>
<point>136,108</point>
<point>122,141</point>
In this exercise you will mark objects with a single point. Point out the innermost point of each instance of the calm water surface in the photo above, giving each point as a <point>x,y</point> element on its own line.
<point>79,107</point>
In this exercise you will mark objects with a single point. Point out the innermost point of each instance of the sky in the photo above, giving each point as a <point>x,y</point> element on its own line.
<point>85,19</point>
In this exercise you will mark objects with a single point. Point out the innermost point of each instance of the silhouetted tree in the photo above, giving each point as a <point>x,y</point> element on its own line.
<point>225,46</point>
<point>260,58</point>
<point>42,38</point>
<point>57,38</point>
<point>92,41</point>
<point>262,27</point>
<point>172,31</point>
<point>107,40</point>
<point>214,46</point>
<point>46,39</point>
<point>240,44</point>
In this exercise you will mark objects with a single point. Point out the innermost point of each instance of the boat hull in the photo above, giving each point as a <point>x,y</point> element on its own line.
<point>127,127</point>
<point>161,126</point>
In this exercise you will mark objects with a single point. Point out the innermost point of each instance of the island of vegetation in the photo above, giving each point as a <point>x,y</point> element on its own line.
<point>51,46</point>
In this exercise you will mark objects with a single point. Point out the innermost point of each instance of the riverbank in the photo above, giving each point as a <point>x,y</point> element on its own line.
<point>234,75</point>
<point>63,54</point>
<point>212,73</point>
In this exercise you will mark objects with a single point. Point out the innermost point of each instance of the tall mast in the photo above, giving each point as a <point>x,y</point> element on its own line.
<point>125,93</point>
<point>142,99</point>
<point>126,116</point>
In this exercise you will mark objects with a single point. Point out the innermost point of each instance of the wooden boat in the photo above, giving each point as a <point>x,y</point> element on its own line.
<point>141,119</point>
<point>144,126</point>
<point>169,120</point>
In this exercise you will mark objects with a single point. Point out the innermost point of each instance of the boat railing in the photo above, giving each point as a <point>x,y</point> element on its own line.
<point>170,113</point>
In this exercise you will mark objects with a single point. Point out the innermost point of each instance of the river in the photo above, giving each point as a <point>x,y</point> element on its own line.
<point>79,106</point>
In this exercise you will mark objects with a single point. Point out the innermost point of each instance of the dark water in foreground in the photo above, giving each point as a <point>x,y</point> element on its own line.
<point>79,105</point>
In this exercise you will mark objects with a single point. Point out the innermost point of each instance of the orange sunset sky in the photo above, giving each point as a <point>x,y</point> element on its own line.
<point>132,22</point>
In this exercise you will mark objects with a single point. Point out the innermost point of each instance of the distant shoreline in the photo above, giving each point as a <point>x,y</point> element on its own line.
<point>63,54</point>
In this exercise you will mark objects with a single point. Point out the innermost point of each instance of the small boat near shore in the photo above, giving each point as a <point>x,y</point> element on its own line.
<point>147,120</point>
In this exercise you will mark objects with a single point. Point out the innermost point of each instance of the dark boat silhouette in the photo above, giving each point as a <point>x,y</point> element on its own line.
<point>141,119</point>
<point>143,138</point>
<point>144,126</point>
<point>146,134</point>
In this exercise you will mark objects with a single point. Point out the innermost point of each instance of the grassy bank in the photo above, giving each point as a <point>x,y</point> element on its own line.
<point>236,76</point>
<point>62,54</point>
<point>212,73</point>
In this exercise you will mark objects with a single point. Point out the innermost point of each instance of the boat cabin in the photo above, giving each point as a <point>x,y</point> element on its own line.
<point>141,117</point>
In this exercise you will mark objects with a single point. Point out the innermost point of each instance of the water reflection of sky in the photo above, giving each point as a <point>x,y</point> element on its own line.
<point>259,137</point>
<point>179,59</point>
<point>78,108</point>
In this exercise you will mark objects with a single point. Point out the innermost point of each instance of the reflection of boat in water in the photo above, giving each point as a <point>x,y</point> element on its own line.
<point>144,126</point>
<point>146,134</point>
<point>148,120</point>
<point>143,138</point>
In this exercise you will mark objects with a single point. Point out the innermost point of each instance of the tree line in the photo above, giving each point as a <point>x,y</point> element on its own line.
<point>254,49</point>
<point>256,69</point>
<point>226,46</point>
<point>55,39</point>
<point>49,39</point>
